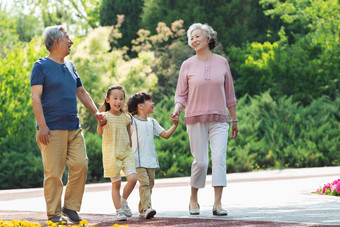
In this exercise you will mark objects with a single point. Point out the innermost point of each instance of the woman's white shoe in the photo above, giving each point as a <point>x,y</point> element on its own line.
<point>194,211</point>
<point>220,212</point>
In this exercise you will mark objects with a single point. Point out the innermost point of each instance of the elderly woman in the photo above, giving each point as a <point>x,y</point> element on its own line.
<point>205,89</point>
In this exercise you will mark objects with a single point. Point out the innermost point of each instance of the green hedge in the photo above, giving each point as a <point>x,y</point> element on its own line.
<point>279,134</point>
<point>272,134</point>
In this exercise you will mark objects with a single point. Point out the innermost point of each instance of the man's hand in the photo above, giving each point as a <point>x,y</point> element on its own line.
<point>44,135</point>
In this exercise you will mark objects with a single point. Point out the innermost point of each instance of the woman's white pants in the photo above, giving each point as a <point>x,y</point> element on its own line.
<point>200,135</point>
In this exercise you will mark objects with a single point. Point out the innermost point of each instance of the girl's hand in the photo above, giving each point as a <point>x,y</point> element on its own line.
<point>102,123</point>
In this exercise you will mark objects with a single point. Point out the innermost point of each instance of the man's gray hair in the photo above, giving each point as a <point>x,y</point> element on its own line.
<point>52,33</point>
<point>208,31</point>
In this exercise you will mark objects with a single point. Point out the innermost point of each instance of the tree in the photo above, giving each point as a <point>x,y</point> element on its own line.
<point>170,49</point>
<point>8,36</point>
<point>80,16</point>
<point>316,18</point>
<point>28,27</point>
<point>303,63</point>
<point>20,162</point>
<point>236,21</point>
<point>131,9</point>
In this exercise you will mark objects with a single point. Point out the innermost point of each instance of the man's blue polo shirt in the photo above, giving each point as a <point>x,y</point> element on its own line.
<point>59,96</point>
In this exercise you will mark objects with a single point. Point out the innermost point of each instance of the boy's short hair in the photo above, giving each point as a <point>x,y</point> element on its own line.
<point>136,99</point>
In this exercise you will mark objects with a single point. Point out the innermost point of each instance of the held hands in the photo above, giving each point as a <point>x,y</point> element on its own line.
<point>101,123</point>
<point>176,112</point>
<point>101,118</point>
<point>174,119</point>
<point>175,116</point>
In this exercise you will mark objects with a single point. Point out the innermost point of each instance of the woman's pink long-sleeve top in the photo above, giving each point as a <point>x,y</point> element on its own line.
<point>205,89</point>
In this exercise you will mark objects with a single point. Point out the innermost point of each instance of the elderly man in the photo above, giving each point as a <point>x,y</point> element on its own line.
<point>55,86</point>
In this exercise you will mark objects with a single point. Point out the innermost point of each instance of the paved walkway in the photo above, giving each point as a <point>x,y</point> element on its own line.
<point>270,198</point>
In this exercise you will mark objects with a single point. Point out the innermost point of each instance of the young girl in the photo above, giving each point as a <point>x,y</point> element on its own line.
<point>142,133</point>
<point>117,153</point>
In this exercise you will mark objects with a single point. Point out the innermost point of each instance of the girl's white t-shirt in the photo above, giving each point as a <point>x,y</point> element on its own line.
<point>143,145</point>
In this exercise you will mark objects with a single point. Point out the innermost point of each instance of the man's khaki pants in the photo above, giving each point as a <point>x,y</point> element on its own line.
<point>146,178</point>
<point>65,147</point>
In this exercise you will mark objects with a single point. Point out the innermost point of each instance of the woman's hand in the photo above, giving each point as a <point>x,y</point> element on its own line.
<point>234,129</point>
<point>177,110</point>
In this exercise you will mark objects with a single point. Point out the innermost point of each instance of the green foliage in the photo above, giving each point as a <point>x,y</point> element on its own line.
<point>173,154</point>
<point>28,27</point>
<point>272,134</point>
<point>319,19</point>
<point>303,70</point>
<point>303,63</point>
<point>131,9</point>
<point>94,154</point>
<point>99,69</point>
<point>250,68</point>
<point>32,16</point>
<point>20,161</point>
<point>279,134</point>
<point>236,21</point>
<point>21,169</point>
<point>8,37</point>
<point>170,50</point>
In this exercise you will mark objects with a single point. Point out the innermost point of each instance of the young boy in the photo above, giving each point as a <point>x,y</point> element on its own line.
<point>143,130</point>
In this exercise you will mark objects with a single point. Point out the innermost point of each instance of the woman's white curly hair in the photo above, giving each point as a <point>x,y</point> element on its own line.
<point>208,31</point>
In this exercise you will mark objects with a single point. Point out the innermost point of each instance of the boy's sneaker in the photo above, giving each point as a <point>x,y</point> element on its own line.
<point>127,210</point>
<point>149,213</point>
<point>120,215</point>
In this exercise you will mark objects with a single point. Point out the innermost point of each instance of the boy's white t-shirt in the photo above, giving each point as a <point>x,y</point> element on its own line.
<point>144,150</point>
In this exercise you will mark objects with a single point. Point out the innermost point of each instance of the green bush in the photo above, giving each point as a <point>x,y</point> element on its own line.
<point>302,63</point>
<point>280,134</point>
<point>94,153</point>
<point>21,170</point>
<point>20,159</point>
<point>272,134</point>
<point>174,153</point>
